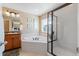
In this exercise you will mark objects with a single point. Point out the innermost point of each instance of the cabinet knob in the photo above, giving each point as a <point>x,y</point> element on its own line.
<point>5,42</point>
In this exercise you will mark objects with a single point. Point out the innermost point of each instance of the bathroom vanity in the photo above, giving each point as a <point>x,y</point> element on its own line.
<point>13,41</point>
<point>12,25</point>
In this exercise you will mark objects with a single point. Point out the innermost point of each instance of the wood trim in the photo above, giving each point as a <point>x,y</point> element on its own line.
<point>39,24</point>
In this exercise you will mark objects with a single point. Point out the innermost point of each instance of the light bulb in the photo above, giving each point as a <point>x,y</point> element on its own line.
<point>13,14</point>
<point>17,15</point>
<point>7,13</point>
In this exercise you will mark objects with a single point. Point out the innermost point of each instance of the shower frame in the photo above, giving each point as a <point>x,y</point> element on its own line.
<point>62,6</point>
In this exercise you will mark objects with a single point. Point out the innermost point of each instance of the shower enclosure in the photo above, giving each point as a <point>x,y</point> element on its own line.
<point>52,32</point>
<point>62,35</point>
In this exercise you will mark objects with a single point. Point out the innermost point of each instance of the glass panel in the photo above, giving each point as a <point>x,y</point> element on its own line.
<point>35,25</point>
<point>49,33</point>
<point>54,27</point>
<point>49,27</point>
<point>49,23</point>
<point>49,47</point>
<point>66,42</point>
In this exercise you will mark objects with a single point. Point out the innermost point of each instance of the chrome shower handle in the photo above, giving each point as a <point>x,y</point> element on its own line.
<point>52,34</point>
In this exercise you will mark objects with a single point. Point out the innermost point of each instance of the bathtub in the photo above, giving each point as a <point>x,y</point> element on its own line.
<point>30,39</point>
<point>28,44</point>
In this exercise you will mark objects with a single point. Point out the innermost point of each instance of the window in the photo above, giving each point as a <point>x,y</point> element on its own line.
<point>36,25</point>
<point>44,24</point>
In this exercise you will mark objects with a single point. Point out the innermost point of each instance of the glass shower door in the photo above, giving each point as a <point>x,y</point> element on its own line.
<point>65,33</point>
<point>62,33</point>
<point>51,34</point>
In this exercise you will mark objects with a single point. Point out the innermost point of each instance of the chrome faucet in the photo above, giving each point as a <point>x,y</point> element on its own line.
<point>36,38</point>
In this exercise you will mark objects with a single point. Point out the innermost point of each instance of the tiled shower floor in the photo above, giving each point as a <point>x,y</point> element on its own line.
<point>57,50</point>
<point>62,52</point>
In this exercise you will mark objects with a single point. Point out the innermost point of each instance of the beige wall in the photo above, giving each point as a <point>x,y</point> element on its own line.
<point>23,18</point>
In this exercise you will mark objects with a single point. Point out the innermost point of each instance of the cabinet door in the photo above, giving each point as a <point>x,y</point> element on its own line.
<point>16,41</point>
<point>9,45</point>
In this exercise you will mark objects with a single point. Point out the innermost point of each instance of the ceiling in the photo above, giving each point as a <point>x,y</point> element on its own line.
<point>33,8</point>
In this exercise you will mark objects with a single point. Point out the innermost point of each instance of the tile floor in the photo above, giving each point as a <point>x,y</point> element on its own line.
<point>27,53</point>
<point>57,50</point>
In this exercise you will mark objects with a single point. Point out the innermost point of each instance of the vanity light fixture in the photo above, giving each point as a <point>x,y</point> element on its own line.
<point>12,14</point>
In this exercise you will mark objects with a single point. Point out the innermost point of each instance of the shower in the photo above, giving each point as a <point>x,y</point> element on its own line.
<point>60,38</point>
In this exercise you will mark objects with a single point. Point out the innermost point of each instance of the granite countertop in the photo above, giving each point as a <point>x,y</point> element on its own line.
<point>12,32</point>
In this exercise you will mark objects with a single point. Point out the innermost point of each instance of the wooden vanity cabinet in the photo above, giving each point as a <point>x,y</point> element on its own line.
<point>17,41</point>
<point>14,41</point>
<point>9,45</point>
